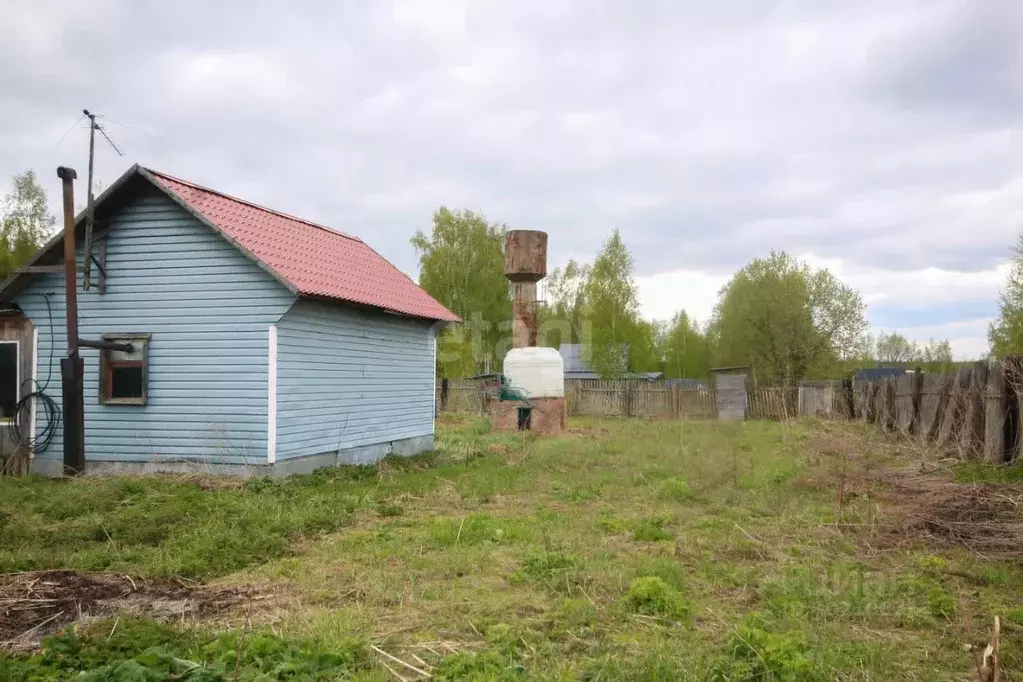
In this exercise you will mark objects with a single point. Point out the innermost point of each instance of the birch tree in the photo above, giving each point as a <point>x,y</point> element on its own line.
<point>25,222</point>
<point>461,264</point>
<point>1005,335</point>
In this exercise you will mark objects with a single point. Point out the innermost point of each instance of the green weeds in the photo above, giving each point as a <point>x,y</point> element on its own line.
<point>652,596</point>
<point>133,650</point>
<point>622,550</point>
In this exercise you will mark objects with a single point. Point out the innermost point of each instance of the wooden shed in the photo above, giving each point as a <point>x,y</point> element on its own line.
<point>261,344</point>
<point>17,366</point>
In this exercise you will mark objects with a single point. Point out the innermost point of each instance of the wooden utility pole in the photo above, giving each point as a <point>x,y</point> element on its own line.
<point>72,369</point>
<point>87,265</point>
<point>91,200</point>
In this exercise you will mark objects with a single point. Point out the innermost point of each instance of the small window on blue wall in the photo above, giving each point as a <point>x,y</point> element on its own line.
<point>8,379</point>
<point>124,375</point>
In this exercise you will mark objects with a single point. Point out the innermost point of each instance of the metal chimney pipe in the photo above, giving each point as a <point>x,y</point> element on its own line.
<point>72,369</point>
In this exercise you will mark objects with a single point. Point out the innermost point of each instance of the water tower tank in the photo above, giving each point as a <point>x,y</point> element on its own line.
<point>525,256</point>
<point>540,372</point>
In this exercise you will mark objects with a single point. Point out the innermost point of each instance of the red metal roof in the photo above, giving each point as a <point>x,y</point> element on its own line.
<point>312,259</point>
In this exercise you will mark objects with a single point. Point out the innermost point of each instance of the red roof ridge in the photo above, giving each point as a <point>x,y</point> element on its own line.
<point>254,205</point>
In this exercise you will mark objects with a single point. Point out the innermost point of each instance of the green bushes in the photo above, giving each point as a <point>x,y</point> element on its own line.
<point>675,490</point>
<point>144,651</point>
<point>752,652</point>
<point>654,597</point>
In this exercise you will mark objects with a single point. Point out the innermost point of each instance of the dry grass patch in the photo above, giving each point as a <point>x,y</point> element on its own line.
<point>638,549</point>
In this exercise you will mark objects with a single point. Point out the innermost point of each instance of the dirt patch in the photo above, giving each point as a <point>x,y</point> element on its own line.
<point>985,518</point>
<point>922,502</point>
<point>34,605</point>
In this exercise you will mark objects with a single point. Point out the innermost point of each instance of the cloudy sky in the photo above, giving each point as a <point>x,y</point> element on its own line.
<point>881,139</point>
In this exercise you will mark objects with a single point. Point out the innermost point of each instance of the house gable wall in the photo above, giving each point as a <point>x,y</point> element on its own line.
<point>208,308</point>
<point>348,379</point>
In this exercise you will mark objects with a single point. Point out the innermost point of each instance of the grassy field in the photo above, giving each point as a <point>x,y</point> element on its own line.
<point>630,550</point>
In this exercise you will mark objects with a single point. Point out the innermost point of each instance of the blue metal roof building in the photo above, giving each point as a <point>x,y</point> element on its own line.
<point>874,373</point>
<point>577,368</point>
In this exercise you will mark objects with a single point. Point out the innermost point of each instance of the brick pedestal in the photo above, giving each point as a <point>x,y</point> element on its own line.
<point>546,415</point>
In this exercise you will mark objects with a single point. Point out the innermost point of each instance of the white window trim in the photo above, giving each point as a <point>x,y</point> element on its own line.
<point>35,387</point>
<point>271,397</point>
<point>17,374</point>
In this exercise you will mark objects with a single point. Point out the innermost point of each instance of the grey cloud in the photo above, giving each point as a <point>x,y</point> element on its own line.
<point>961,58</point>
<point>708,132</point>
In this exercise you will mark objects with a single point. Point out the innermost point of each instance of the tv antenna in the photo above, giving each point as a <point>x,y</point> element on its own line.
<point>89,215</point>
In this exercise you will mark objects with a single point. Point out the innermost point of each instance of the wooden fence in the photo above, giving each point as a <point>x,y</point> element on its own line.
<point>631,398</point>
<point>599,398</point>
<point>974,413</point>
<point>971,414</point>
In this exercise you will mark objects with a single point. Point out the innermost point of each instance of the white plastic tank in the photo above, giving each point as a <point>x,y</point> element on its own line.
<point>540,372</point>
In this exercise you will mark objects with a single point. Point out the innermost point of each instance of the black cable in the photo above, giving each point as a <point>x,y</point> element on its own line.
<point>21,421</point>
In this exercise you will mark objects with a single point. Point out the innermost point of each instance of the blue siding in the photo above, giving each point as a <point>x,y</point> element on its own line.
<point>209,309</point>
<point>347,378</point>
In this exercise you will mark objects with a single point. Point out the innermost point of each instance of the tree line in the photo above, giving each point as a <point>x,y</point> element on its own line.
<point>781,317</point>
<point>784,319</point>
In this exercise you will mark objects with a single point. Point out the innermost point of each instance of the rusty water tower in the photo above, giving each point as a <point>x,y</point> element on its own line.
<point>525,264</point>
<point>537,374</point>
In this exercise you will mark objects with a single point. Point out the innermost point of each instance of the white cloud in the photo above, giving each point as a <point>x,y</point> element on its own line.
<point>915,289</point>
<point>883,138</point>
<point>968,338</point>
<point>437,23</point>
<point>662,295</point>
<point>696,291</point>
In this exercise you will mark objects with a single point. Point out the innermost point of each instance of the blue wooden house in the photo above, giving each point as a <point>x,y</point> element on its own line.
<point>260,343</point>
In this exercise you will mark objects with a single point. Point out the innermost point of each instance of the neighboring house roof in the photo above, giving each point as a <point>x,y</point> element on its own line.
<point>577,368</point>
<point>581,374</point>
<point>309,259</point>
<point>873,373</point>
<point>572,356</point>
<point>646,375</point>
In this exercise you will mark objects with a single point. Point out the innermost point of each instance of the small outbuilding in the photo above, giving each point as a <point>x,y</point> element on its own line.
<point>16,363</point>
<point>261,343</point>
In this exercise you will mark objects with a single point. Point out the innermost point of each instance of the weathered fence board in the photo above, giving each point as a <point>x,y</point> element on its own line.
<point>818,398</point>
<point>995,414</point>
<point>858,392</point>
<point>947,432</point>
<point>460,395</point>
<point>933,403</point>
<point>774,402</point>
<point>886,405</point>
<point>866,396</point>
<point>1014,406</point>
<point>971,429</point>
<point>907,402</point>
